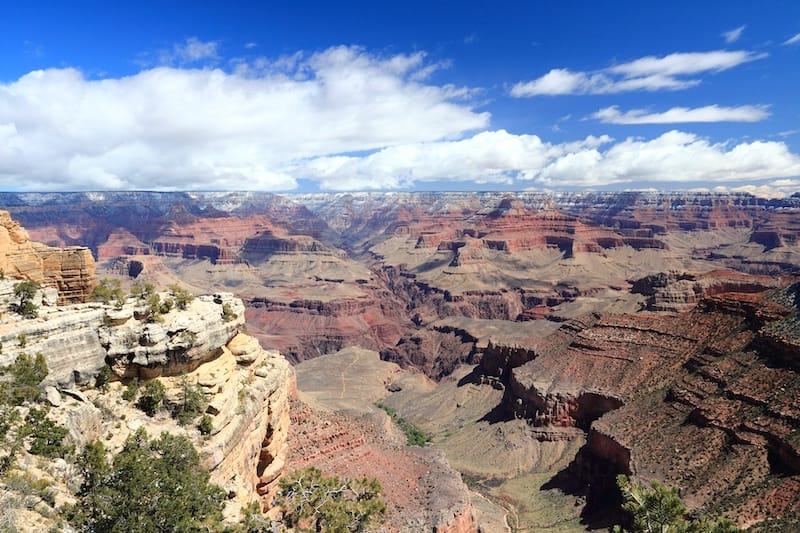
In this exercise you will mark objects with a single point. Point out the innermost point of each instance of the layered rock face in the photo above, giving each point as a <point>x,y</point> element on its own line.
<point>70,270</point>
<point>321,272</point>
<point>670,358</point>
<point>682,292</point>
<point>247,388</point>
<point>701,400</point>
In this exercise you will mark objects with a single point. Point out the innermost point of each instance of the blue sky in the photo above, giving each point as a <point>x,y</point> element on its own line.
<point>307,96</point>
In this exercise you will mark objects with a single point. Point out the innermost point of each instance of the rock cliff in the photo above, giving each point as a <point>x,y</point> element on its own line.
<point>69,270</point>
<point>672,312</point>
<point>247,388</point>
<point>703,400</point>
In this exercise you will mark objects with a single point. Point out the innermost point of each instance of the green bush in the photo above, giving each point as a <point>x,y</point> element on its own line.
<point>182,297</point>
<point>25,292</point>
<point>26,373</point>
<point>45,436</point>
<point>25,483</point>
<point>142,290</point>
<point>206,425</point>
<point>103,378</point>
<point>330,503</point>
<point>151,485</point>
<point>154,308</point>
<point>9,444</point>
<point>659,508</point>
<point>151,397</point>
<point>107,290</point>
<point>227,313</point>
<point>192,402</point>
<point>131,391</point>
<point>414,435</point>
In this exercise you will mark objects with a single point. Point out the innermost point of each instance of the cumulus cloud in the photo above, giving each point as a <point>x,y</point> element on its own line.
<point>179,128</point>
<point>488,157</point>
<point>733,35</point>
<point>648,73</point>
<point>342,118</point>
<point>773,189</point>
<point>673,157</point>
<point>792,40</point>
<point>710,113</point>
<point>503,158</point>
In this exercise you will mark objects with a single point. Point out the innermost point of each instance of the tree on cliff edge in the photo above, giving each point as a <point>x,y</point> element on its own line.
<point>25,292</point>
<point>659,509</point>
<point>151,485</point>
<point>330,503</point>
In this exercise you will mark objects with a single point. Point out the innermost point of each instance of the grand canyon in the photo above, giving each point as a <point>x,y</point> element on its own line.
<point>545,342</point>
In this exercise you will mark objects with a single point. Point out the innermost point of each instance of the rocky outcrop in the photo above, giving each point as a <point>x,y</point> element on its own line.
<point>704,400</point>
<point>436,353</point>
<point>71,270</point>
<point>140,345</point>
<point>246,387</point>
<point>77,340</point>
<point>249,390</point>
<point>681,292</point>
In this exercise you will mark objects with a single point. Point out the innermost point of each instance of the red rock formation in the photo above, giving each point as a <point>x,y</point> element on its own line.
<point>71,270</point>
<point>707,400</point>
<point>303,329</point>
<point>681,292</point>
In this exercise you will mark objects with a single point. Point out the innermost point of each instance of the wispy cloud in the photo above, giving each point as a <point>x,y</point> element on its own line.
<point>192,50</point>
<point>733,35</point>
<point>793,40</point>
<point>671,72</point>
<point>675,115</point>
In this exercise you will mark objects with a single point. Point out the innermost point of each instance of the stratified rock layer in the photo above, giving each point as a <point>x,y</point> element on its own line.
<point>70,270</point>
<point>706,400</point>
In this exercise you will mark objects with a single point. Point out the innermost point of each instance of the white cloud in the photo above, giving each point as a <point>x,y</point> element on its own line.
<point>648,73</point>
<point>488,157</point>
<point>557,81</point>
<point>191,51</point>
<point>502,158</point>
<point>792,40</point>
<point>710,113</point>
<point>733,35</point>
<point>271,123</point>
<point>674,157</point>
<point>774,189</point>
<point>171,128</point>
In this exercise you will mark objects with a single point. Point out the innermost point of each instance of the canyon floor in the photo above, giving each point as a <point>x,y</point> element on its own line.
<point>505,470</point>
